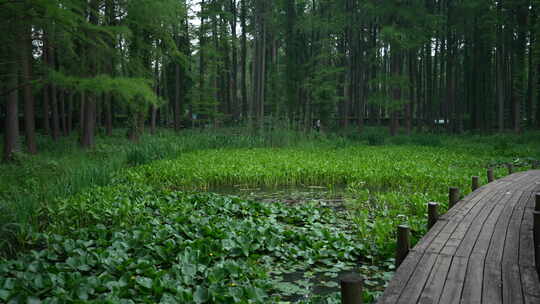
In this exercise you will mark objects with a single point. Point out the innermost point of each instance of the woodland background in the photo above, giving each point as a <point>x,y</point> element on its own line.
<point>93,65</point>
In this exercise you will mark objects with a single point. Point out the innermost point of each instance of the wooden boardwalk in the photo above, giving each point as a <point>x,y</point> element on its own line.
<point>480,251</point>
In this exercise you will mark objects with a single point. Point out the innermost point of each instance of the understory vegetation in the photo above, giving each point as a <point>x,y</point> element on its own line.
<point>138,224</point>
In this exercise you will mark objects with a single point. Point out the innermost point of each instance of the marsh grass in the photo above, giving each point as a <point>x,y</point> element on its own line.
<point>229,156</point>
<point>122,196</point>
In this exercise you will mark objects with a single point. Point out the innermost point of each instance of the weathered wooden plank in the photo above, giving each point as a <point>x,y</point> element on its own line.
<point>472,288</point>
<point>491,287</point>
<point>511,288</point>
<point>526,241</point>
<point>455,223</point>
<point>532,300</point>
<point>453,242</point>
<point>450,238</point>
<point>418,279</point>
<point>463,207</point>
<point>484,237</point>
<point>511,245</point>
<point>433,233</point>
<point>454,281</point>
<point>434,286</point>
<point>472,226</point>
<point>481,251</point>
<point>530,284</point>
<point>496,247</point>
<point>442,238</point>
<point>533,181</point>
<point>493,273</point>
<point>511,284</point>
<point>400,279</point>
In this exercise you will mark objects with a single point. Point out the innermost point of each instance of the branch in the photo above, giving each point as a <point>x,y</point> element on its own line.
<point>5,93</point>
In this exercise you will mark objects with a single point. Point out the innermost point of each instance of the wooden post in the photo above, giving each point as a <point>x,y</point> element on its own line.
<point>510,168</point>
<point>475,183</point>
<point>351,289</point>
<point>490,175</point>
<point>536,229</point>
<point>537,205</point>
<point>433,214</point>
<point>403,244</point>
<point>536,236</point>
<point>453,197</point>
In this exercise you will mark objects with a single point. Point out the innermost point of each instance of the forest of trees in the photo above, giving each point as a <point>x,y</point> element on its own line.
<point>87,66</point>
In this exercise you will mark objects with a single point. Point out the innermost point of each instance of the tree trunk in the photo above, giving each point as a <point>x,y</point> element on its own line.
<point>26,71</point>
<point>500,90</point>
<point>177,105</point>
<point>89,116</point>
<point>409,105</point>
<point>202,43</point>
<point>234,68</point>
<point>243,58</point>
<point>63,119</point>
<point>153,116</point>
<point>110,13</point>
<point>82,102</point>
<point>46,106</point>
<point>519,66</point>
<point>396,90</point>
<point>51,56</point>
<point>11,131</point>
<point>99,113</point>
<point>89,122</point>
<point>260,62</point>
<point>69,125</point>
<point>108,114</point>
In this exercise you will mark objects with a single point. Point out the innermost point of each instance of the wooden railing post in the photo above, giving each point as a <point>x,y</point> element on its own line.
<point>475,183</point>
<point>403,244</point>
<point>453,197</point>
<point>536,231</point>
<point>510,168</point>
<point>433,214</point>
<point>351,289</point>
<point>490,175</point>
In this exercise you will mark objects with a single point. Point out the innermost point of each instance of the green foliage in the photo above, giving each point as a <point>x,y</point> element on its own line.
<point>134,243</point>
<point>127,90</point>
<point>410,167</point>
<point>384,97</point>
<point>88,226</point>
<point>143,155</point>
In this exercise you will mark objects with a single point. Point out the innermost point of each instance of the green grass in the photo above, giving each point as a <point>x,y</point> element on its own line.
<point>62,169</point>
<point>99,219</point>
<point>415,168</point>
<point>392,183</point>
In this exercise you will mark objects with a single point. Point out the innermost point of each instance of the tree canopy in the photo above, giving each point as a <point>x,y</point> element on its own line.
<point>431,64</point>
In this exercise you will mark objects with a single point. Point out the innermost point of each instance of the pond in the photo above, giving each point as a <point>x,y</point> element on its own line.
<point>297,284</point>
<point>335,196</point>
